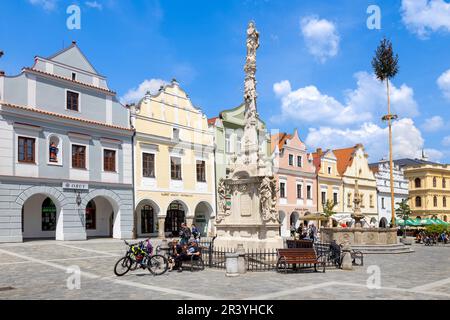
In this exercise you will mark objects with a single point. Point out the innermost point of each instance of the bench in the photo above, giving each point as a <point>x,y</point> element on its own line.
<point>301,256</point>
<point>195,262</point>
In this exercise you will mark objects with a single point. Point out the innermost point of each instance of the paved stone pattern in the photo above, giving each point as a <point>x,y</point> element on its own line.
<point>38,270</point>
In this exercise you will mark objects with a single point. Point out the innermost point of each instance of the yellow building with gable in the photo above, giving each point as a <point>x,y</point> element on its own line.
<point>174,164</point>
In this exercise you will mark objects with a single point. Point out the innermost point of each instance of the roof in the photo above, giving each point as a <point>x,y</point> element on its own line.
<point>344,158</point>
<point>404,162</point>
<point>68,79</point>
<point>62,116</point>
<point>317,159</point>
<point>212,121</point>
<point>279,140</point>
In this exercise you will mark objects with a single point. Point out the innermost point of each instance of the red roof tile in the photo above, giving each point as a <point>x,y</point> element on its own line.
<point>62,116</point>
<point>344,158</point>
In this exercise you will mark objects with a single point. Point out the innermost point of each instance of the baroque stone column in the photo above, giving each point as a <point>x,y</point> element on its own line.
<point>161,225</point>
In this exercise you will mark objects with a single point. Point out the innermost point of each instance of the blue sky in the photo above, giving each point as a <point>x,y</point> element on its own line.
<point>314,70</point>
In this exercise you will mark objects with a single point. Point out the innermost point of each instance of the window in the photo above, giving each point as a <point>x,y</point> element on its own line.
<point>74,76</point>
<point>335,198</point>
<point>324,197</point>
<point>349,199</point>
<point>282,190</point>
<point>91,216</point>
<point>443,183</point>
<point>444,201</point>
<point>435,201</point>
<point>26,149</point>
<point>148,165</point>
<point>371,201</point>
<point>329,170</point>
<point>418,201</point>
<point>78,156</point>
<point>299,161</point>
<point>434,182</point>
<point>361,197</point>
<point>201,171</point>
<point>109,160</point>
<point>72,101</point>
<point>299,191</point>
<point>308,192</point>
<point>417,182</point>
<point>291,160</point>
<point>176,133</point>
<point>227,143</point>
<point>48,215</point>
<point>147,219</point>
<point>239,145</point>
<point>382,204</point>
<point>175,168</point>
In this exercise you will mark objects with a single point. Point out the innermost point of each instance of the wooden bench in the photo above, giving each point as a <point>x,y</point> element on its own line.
<point>300,256</point>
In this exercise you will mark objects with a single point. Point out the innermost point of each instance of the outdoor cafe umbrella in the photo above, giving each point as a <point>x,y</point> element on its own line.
<point>314,217</point>
<point>439,221</point>
<point>408,222</point>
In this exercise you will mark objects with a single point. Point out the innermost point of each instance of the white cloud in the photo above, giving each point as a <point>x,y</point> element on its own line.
<point>446,141</point>
<point>321,37</point>
<point>444,83</point>
<point>433,124</point>
<point>425,16</point>
<point>407,140</point>
<point>308,104</point>
<point>432,154</point>
<point>48,5</point>
<point>94,5</point>
<point>136,94</point>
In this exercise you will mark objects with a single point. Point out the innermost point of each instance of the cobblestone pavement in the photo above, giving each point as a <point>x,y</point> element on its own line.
<point>38,270</point>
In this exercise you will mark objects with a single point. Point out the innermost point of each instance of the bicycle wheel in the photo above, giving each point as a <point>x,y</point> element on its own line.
<point>122,266</point>
<point>157,265</point>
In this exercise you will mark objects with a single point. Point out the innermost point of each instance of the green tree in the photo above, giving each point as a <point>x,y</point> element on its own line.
<point>436,229</point>
<point>385,66</point>
<point>328,210</point>
<point>403,211</point>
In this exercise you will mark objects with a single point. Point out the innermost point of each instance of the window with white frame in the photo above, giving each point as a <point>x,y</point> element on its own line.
<point>291,159</point>
<point>299,161</point>
<point>227,143</point>
<point>282,189</point>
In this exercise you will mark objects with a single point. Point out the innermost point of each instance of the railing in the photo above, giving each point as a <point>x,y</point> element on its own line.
<point>259,259</point>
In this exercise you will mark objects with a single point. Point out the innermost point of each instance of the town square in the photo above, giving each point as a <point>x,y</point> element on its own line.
<point>228,175</point>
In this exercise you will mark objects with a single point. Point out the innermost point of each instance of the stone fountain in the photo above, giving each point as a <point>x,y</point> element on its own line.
<point>247,212</point>
<point>366,240</point>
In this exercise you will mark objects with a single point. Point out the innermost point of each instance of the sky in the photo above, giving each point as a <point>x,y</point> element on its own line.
<point>314,61</point>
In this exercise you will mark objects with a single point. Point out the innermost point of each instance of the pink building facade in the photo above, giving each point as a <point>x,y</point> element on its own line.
<point>297,180</point>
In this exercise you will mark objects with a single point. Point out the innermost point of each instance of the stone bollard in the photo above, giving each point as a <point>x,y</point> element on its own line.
<point>231,263</point>
<point>347,263</point>
<point>242,267</point>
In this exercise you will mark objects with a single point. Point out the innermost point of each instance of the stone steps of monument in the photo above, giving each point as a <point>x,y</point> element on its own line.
<point>383,249</point>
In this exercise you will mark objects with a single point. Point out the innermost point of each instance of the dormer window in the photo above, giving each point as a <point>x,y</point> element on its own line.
<point>74,76</point>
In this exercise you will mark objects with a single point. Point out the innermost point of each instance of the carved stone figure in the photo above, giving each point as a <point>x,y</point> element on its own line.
<point>221,190</point>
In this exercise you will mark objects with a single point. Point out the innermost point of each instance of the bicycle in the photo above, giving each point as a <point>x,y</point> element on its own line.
<point>140,255</point>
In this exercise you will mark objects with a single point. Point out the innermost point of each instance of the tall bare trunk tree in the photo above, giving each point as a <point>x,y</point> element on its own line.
<point>385,65</point>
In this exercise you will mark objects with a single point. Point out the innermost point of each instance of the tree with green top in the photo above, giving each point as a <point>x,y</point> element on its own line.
<point>385,66</point>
